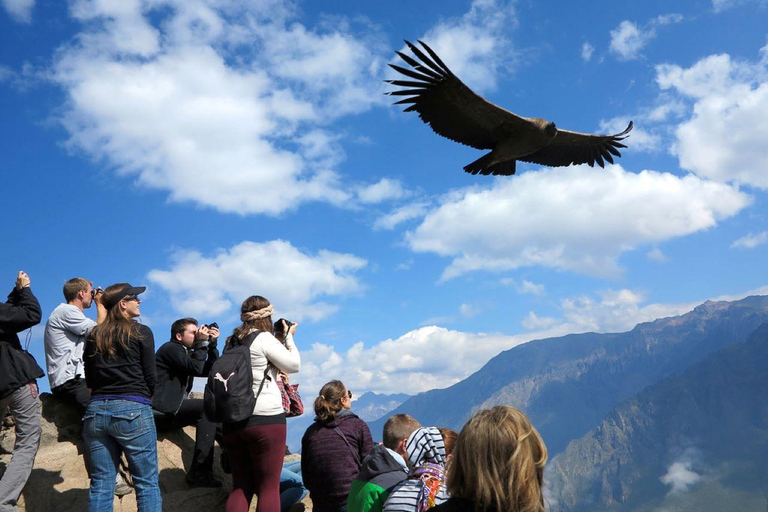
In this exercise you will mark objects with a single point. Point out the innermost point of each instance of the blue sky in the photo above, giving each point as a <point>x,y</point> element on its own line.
<point>216,149</point>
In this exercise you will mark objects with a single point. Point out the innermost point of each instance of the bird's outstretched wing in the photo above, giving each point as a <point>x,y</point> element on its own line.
<point>452,109</point>
<point>579,148</point>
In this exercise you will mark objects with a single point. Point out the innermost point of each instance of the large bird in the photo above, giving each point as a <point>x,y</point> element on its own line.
<point>455,111</point>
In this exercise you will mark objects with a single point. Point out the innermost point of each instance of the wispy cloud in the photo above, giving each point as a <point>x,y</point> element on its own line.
<point>19,10</point>
<point>750,241</point>
<point>587,50</point>
<point>629,39</point>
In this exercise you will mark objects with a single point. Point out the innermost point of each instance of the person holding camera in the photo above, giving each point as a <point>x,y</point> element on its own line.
<point>64,339</point>
<point>18,389</point>
<point>256,445</point>
<point>190,353</point>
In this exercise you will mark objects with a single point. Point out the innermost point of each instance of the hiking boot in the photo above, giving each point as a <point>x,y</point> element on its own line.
<point>202,480</point>
<point>121,486</point>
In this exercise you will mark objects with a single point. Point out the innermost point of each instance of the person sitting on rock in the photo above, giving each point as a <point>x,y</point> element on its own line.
<point>18,388</point>
<point>190,353</point>
<point>428,451</point>
<point>383,468</point>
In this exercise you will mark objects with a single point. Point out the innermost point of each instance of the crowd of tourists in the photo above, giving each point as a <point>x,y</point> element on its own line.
<point>126,391</point>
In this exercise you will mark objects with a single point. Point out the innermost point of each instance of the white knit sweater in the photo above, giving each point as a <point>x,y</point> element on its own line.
<point>266,348</point>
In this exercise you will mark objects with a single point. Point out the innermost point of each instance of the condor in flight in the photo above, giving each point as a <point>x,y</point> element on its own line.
<point>456,112</point>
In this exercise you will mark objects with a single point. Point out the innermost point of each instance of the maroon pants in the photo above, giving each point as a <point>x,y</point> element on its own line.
<point>256,454</point>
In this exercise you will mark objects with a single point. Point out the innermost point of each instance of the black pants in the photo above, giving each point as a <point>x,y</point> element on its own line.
<point>191,413</point>
<point>74,392</point>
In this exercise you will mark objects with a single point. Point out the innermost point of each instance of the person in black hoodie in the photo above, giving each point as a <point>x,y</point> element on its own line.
<point>190,353</point>
<point>18,389</point>
<point>383,468</point>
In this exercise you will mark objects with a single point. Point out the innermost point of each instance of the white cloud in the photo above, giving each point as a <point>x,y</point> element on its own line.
<point>751,241</point>
<point>384,190</point>
<point>524,286</point>
<point>586,51</point>
<point>153,91</point>
<point>680,476</point>
<point>629,39</point>
<point>217,284</point>
<point>410,363</point>
<point>476,46</point>
<point>19,10</point>
<point>470,310</point>
<point>724,139</point>
<point>657,255</point>
<point>533,321</point>
<point>575,218</point>
<point>723,5</point>
<point>401,214</point>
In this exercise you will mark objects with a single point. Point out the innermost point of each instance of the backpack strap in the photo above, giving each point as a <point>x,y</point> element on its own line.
<point>354,452</point>
<point>247,342</point>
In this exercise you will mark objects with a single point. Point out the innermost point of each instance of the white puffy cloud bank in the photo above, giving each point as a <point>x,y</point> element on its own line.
<point>576,218</point>
<point>435,357</point>
<point>213,100</point>
<point>724,137</point>
<point>217,284</point>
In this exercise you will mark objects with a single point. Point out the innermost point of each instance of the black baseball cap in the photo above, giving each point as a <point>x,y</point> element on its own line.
<point>109,302</point>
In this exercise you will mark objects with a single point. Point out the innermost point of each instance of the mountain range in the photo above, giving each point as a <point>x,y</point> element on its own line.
<point>570,385</point>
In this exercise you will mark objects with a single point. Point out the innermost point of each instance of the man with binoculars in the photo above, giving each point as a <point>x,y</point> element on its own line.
<point>190,353</point>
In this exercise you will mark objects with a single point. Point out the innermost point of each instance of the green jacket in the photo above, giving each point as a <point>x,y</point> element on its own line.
<point>371,487</point>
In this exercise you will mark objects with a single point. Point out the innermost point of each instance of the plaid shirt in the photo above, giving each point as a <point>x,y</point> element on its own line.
<point>292,404</point>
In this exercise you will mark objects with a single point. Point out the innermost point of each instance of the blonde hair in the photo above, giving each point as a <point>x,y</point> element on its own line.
<point>498,462</point>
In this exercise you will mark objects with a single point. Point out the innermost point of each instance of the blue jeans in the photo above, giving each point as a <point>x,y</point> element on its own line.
<point>291,485</point>
<point>112,426</point>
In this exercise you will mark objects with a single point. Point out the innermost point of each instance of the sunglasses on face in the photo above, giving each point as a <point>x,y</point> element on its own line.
<point>349,394</point>
<point>129,298</point>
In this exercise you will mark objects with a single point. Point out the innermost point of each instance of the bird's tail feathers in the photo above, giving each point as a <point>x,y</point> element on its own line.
<point>485,166</point>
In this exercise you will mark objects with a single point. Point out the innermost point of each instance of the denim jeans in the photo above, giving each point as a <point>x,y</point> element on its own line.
<point>110,426</point>
<point>291,485</point>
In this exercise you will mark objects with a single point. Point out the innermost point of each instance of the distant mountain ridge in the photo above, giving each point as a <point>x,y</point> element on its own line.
<point>372,406</point>
<point>567,385</point>
<point>692,442</point>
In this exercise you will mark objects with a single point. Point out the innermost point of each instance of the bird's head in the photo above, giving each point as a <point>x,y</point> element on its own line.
<point>551,130</point>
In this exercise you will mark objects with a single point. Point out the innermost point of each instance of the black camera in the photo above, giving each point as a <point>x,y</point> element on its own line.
<point>212,325</point>
<point>282,324</point>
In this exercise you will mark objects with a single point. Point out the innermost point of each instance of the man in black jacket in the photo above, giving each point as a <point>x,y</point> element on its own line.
<point>18,389</point>
<point>190,353</point>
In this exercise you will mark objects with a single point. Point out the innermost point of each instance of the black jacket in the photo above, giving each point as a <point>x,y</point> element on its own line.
<point>132,372</point>
<point>176,368</point>
<point>22,311</point>
<point>17,367</point>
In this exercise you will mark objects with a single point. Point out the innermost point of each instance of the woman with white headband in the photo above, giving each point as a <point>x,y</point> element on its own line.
<point>256,446</point>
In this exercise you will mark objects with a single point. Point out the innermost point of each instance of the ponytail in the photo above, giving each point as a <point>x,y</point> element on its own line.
<point>328,403</point>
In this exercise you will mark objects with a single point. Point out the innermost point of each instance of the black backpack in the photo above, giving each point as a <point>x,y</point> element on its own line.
<point>229,394</point>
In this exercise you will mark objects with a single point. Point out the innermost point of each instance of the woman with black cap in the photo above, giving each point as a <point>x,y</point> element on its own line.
<point>120,370</point>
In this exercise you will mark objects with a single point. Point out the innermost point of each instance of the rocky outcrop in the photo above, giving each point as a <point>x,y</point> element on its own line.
<point>59,481</point>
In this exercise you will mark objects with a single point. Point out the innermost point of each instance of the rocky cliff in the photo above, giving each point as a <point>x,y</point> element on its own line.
<point>59,481</point>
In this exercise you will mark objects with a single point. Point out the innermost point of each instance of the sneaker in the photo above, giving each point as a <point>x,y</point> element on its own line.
<point>121,486</point>
<point>202,480</point>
